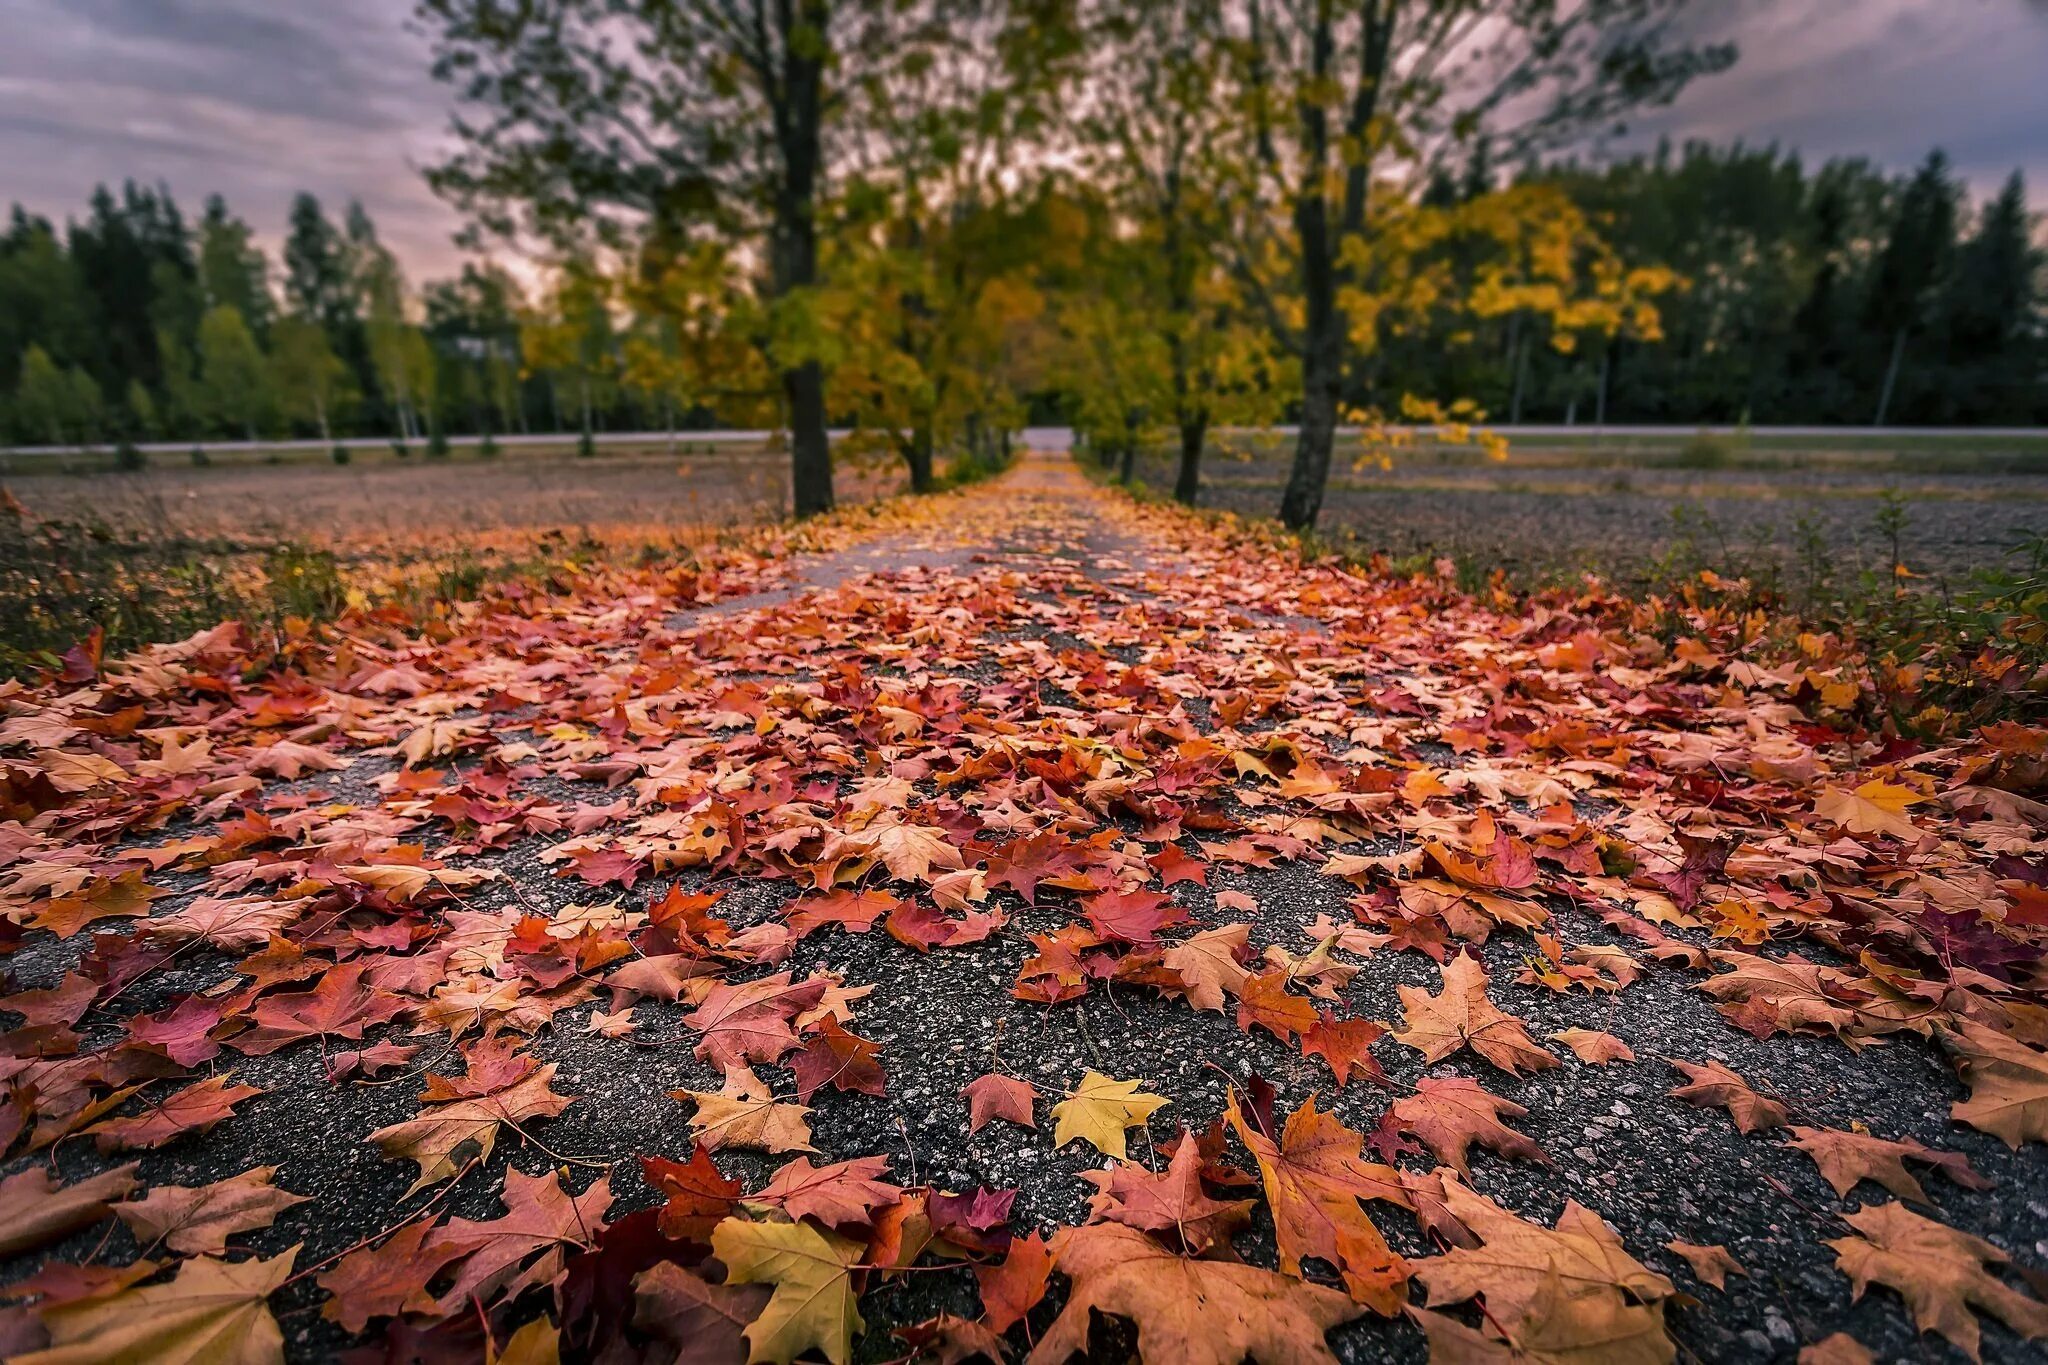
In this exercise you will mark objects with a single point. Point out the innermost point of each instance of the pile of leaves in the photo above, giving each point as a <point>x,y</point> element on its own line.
<point>412,854</point>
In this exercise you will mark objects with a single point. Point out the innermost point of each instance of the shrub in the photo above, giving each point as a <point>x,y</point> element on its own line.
<point>1706,451</point>
<point>339,454</point>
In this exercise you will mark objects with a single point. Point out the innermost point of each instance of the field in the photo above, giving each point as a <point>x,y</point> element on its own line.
<point>1641,510</point>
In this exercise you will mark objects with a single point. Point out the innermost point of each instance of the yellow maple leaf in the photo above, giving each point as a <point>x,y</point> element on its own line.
<point>1876,807</point>
<point>812,1271</point>
<point>1099,1109</point>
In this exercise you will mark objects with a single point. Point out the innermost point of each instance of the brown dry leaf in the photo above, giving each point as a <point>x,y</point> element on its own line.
<point>1711,1265</point>
<point>1839,1349</point>
<point>210,1313</point>
<point>1555,1328</point>
<point>745,1115</point>
<point>1212,965</point>
<point>698,1319</point>
<point>1187,1312</point>
<point>1014,1287</point>
<point>35,1209</point>
<point>1938,1271</point>
<point>1450,1113</point>
<point>447,1135</point>
<point>2008,1084</point>
<point>1845,1158</point>
<point>1516,1258</point>
<point>196,1108</point>
<point>1593,1047</point>
<point>1460,1015</point>
<point>1315,1176</point>
<point>1711,1084</point>
<point>1170,1201</point>
<point>199,1219</point>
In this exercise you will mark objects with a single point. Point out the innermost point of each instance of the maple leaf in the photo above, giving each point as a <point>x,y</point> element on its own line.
<point>458,1130</point>
<point>910,852</point>
<point>1704,860</point>
<point>1211,964</point>
<point>1191,1312</point>
<point>1315,1176</point>
<point>697,1192</point>
<point>1593,1047</point>
<point>1713,1084</point>
<point>750,1021</point>
<point>1451,1113</point>
<point>813,1304</point>
<point>1012,1288</point>
<point>746,1115</point>
<point>1938,1271</point>
<point>996,1096</point>
<point>35,1209</point>
<point>123,897</point>
<point>1175,866</point>
<point>1555,1327</point>
<point>1461,1016</point>
<point>700,1320</point>
<point>1523,1269</point>
<point>1507,866</point>
<point>1134,917</point>
<point>843,1193</point>
<point>384,1281</point>
<point>1171,1200</point>
<point>541,1219</point>
<point>1876,807</point>
<point>1265,1002</point>
<point>210,1313</point>
<point>1845,1158</point>
<point>834,1057</point>
<point>2008,1083</point>
<point>949,1339</point>
<point>199,1219</point>
<point>1838,1348</point>
<point>1099,1109</point>
<point>1711,1265</point>
<point>1798,994</point>
<point>1346,1045</point>
<point>194,1109</point>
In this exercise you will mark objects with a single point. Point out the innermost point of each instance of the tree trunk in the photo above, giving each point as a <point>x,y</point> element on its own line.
<point>1606,374</point>
<point>1188,483</point>
<point>1127,462</point>
<point>1891,378</point>
<point>1303,500</point>
<point>797,114</point>
<point>1521,373</point>
<point>917,454</point>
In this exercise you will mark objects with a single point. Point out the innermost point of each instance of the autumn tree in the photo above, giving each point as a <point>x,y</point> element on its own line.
<point>693,342</point>
<point>42,397</point>
<point>620,117</point>
<point>1341,107</point>
<point>570,339</point>
<point>1151,135</point>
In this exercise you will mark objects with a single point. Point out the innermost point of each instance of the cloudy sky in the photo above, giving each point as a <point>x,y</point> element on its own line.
<point>260,98</point>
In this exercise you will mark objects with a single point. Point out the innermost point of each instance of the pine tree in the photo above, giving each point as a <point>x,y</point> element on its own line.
<point>1915,261</point>
<point>232,376</point>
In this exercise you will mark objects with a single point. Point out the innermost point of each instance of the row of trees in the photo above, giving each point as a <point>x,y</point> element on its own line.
<point>933,218</point>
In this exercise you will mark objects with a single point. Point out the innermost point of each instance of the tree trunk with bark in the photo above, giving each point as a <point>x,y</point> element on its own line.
<point>795,252</point>
<point>1187,484</point>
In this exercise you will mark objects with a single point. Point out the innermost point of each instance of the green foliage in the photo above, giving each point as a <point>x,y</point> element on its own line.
<point>1707,451</point>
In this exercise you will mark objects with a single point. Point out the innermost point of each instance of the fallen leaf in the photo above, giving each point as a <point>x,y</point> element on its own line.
<point>198,1220</point>
<point>813,1305</point>
<point>210,1313</point>
<point>1099,1109</point>
<point>996,1096</point>
<point>1711,1084</point>
<point>1461,1016</point>
<point>1938,1271</point>
<point>1711,1265</point>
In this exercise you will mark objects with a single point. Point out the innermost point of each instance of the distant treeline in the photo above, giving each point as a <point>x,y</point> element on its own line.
<point>1837,295</point>
<point>137,324</point>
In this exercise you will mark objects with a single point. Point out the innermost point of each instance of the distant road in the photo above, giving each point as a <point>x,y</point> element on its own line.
<point>1039,438</point>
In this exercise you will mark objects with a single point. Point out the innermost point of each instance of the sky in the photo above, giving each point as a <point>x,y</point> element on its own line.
<point>258,99</point>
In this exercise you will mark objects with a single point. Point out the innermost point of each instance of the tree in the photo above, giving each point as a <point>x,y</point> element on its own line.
<point>673,118</point>
<point>232,269</point>
<point>570,337</point>
<point>694,347</point>
<point>1335,106</point>
<point>307,376</point>
<point>142,421</point>
<point>1914,263</point>
<point>233,388</point>
<point>1991,313</point>
<point>42,397</point>
<point>1150,135</point>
